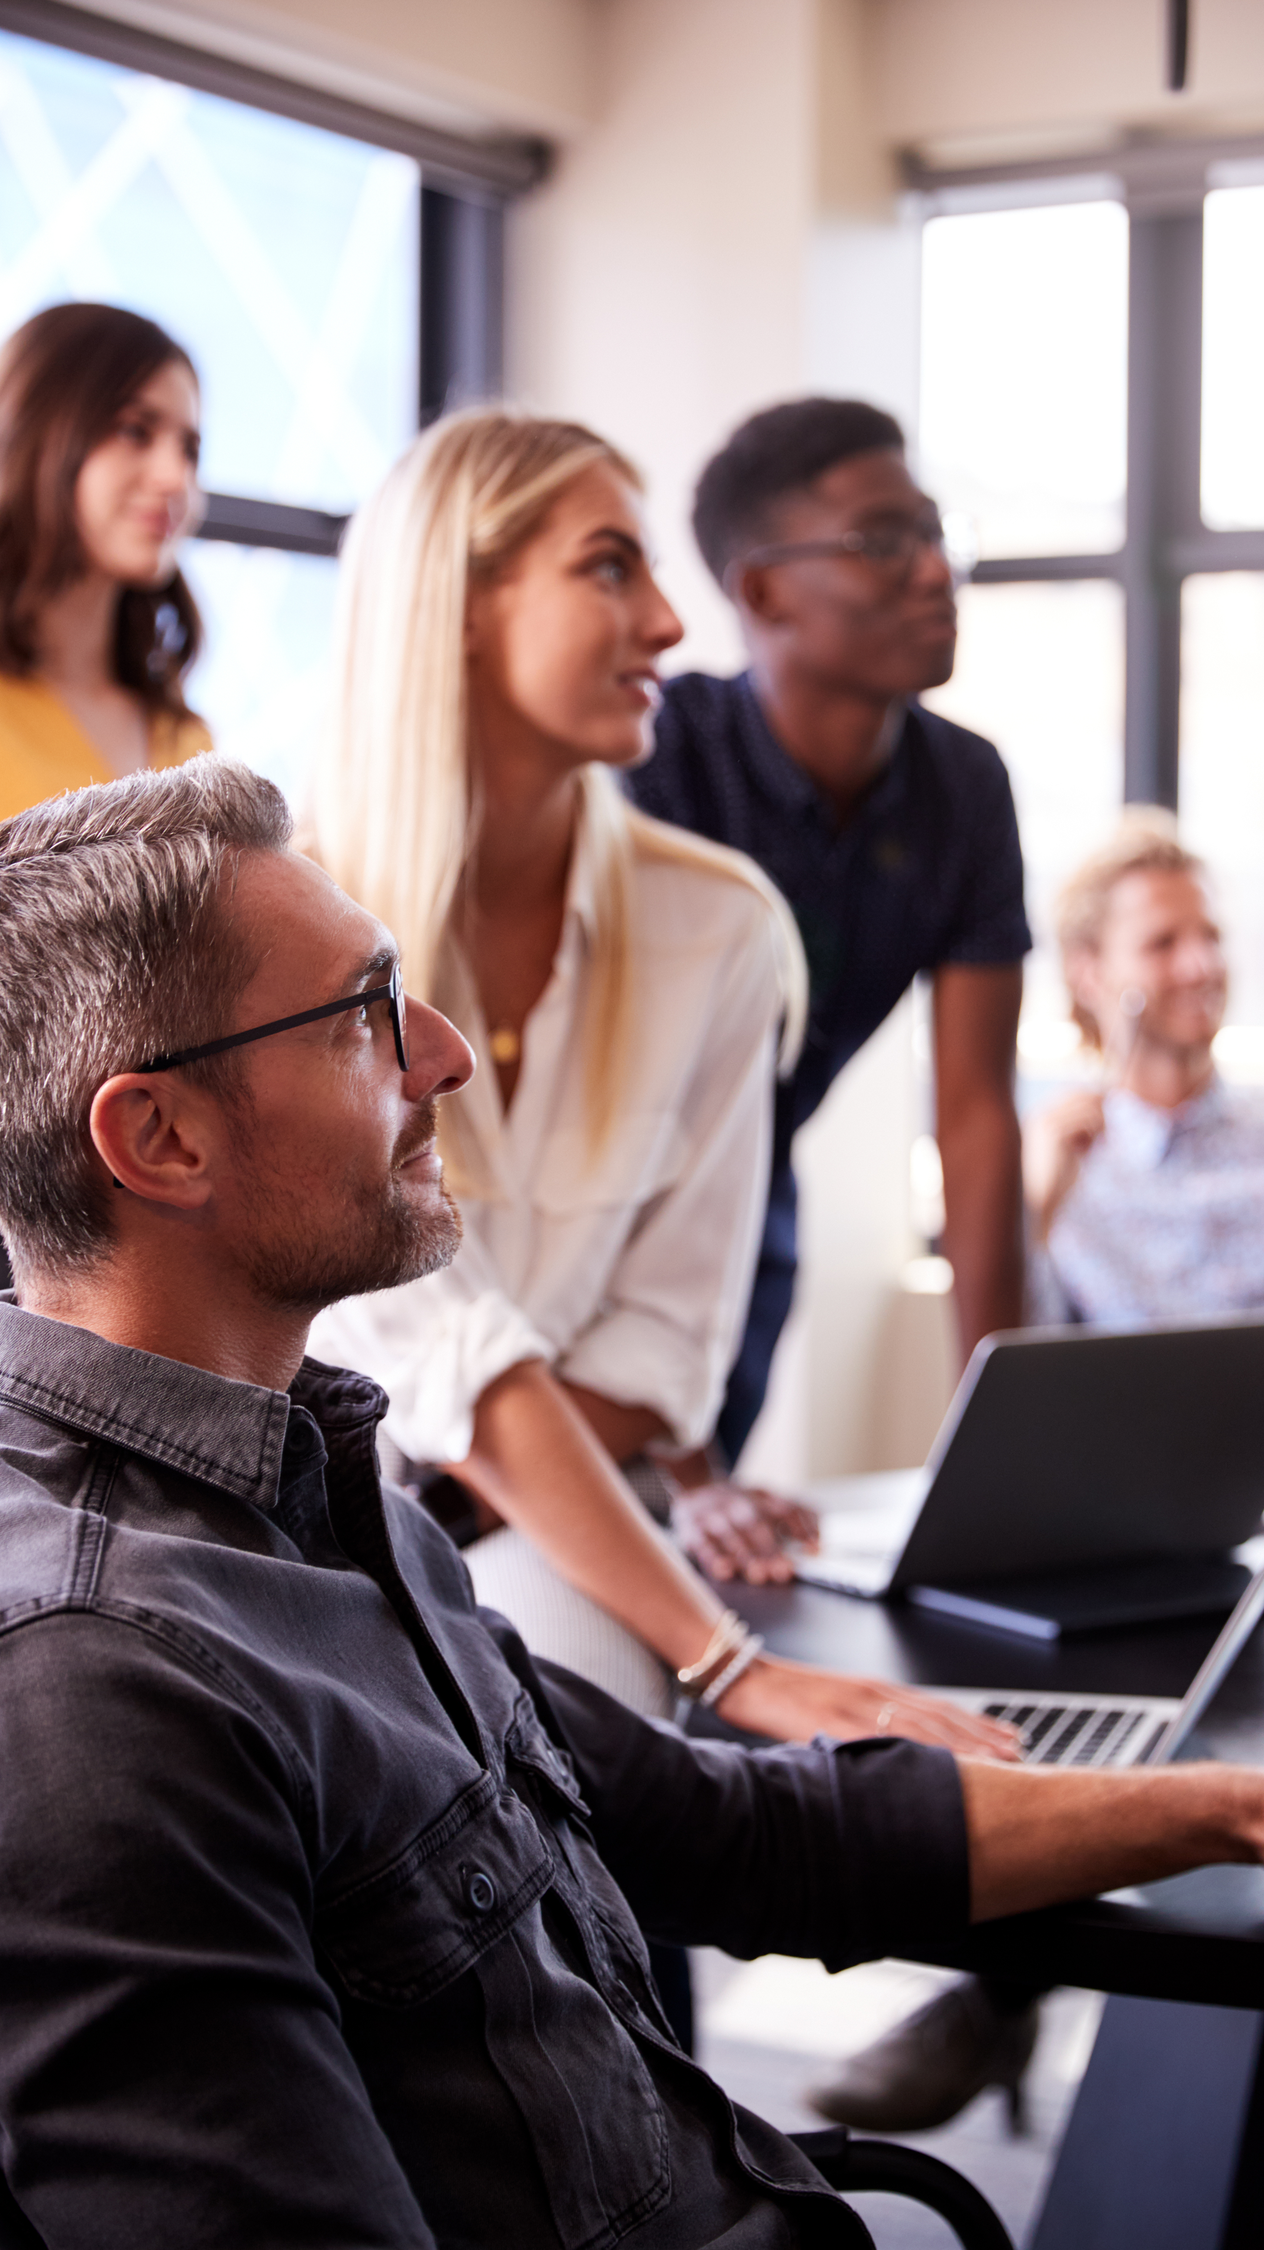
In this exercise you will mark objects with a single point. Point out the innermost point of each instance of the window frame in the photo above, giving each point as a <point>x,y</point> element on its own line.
<point>1163,187</point>
<point>465,185</point>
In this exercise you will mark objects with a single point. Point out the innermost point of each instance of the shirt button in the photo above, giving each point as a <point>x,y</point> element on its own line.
<point>480,1891</point>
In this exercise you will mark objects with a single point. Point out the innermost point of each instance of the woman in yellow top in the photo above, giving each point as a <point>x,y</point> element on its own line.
<point>99,437</point>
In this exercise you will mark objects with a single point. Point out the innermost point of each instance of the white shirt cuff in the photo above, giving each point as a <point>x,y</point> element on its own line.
<point>639,1361</point>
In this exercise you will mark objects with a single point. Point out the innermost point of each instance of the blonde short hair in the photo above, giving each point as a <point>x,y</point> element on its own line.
<point>1146,842</point>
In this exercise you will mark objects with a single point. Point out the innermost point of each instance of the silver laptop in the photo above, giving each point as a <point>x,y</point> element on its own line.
<point>1117,1730</point>
<point>1083,1478</point>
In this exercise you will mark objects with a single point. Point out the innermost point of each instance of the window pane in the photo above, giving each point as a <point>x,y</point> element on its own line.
<point>284,258</point>
<point>1222,784</point>
<point>1024,375</point>
<point>261,684</point>
<point>1040,672</point>
<point>1233,359</point>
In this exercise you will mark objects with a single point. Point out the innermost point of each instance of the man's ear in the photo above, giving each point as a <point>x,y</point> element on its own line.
<point>155,1137</point>
<point>757,594</point>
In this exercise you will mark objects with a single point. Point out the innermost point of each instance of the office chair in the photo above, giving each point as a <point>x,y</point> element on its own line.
<point>882,2167</point>
<point>848,2165</point>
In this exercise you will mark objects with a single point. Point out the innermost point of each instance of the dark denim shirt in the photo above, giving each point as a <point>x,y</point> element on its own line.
<point>319,1904</point>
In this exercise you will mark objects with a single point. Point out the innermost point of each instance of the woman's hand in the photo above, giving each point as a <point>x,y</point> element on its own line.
<point>738,1531</point>
<point>797,1701</point>
<point>1055,1145</point>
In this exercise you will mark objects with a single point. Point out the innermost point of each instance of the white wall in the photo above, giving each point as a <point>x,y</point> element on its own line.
<point>992,78</point>
<point>472,65</point>
<point>657,281</point>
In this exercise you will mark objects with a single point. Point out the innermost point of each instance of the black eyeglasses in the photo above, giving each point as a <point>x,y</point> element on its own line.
<point>393,993</point>
<point>891,546</point>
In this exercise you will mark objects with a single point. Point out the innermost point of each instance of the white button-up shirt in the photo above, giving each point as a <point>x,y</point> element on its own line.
<point>1165,1220</point>
<point>628,1271</point>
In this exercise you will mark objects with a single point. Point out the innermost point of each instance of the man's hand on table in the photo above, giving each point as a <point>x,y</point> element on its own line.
<point>1051,1834</point>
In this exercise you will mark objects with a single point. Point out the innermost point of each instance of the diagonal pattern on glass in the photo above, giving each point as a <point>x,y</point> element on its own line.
<point>285,257</point>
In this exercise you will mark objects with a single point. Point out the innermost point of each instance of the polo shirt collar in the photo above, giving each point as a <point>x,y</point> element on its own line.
<point>227,1434</point>
<point>786,783</point>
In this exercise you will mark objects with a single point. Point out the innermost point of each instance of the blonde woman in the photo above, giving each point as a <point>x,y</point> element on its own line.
<point>622,986</point>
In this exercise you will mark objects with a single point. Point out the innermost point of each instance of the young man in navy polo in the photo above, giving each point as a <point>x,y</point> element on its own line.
<point>892,834</point>
<point>890,831</point>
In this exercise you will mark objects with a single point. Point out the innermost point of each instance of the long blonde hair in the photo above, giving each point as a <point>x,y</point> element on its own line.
<point>393,812</point>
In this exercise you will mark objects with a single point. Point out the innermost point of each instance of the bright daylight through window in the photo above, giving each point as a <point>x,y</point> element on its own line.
<point>1025,432</point>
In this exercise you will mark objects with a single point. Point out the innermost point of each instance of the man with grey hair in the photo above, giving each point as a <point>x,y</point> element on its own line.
<point>318,1899</point>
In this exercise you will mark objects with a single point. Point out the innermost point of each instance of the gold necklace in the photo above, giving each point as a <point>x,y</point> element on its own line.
<point>504,1045</point>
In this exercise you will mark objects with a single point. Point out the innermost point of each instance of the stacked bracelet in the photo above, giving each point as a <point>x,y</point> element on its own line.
<point>733,1670</point>
<point>730,1651</point>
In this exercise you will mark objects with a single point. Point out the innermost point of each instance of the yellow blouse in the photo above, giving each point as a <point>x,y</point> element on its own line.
<point>44,750</point>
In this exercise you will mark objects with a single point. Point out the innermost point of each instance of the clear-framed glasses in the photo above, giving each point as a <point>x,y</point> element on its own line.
<point>889,547</point>
<point>392,993</point>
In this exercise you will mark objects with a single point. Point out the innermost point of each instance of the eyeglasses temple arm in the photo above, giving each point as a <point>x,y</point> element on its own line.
<point>265,1030</point>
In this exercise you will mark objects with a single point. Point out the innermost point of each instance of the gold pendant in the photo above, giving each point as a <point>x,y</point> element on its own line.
<point>504,1044</point>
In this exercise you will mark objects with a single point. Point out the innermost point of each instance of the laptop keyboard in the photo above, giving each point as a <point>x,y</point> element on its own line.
<point>1079,1731</point>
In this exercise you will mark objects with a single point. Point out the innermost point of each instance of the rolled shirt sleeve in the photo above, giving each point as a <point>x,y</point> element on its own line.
<point>839,1852</point>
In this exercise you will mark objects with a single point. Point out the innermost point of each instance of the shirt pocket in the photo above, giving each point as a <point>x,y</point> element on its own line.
<point>404,1932</point>
<point>468,1895</point>
<point>642,1155</point>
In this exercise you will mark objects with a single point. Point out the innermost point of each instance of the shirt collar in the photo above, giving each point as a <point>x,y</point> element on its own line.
<point>224,1433</point>
<point>785,781</point>
<point>1142,1133</point>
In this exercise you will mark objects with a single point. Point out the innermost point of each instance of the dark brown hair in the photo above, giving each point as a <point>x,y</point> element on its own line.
<point>65,377</point>
<point>781,450</point>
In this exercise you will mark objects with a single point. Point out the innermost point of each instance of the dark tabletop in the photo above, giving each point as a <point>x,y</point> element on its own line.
<point>1197,1937</point>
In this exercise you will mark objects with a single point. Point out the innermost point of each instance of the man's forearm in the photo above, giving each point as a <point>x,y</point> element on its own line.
<point>982,1160</point>
<point>1038,1839</point>
<point>976,1025</point>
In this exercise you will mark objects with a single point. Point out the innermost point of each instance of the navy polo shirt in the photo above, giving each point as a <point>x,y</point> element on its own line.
<point>926,871</point>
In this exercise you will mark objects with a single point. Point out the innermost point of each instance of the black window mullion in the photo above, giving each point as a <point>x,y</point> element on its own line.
<point>270,523</point>
<point>462,292</point>
<point>1166,539</point>
<point>1165,299</point>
